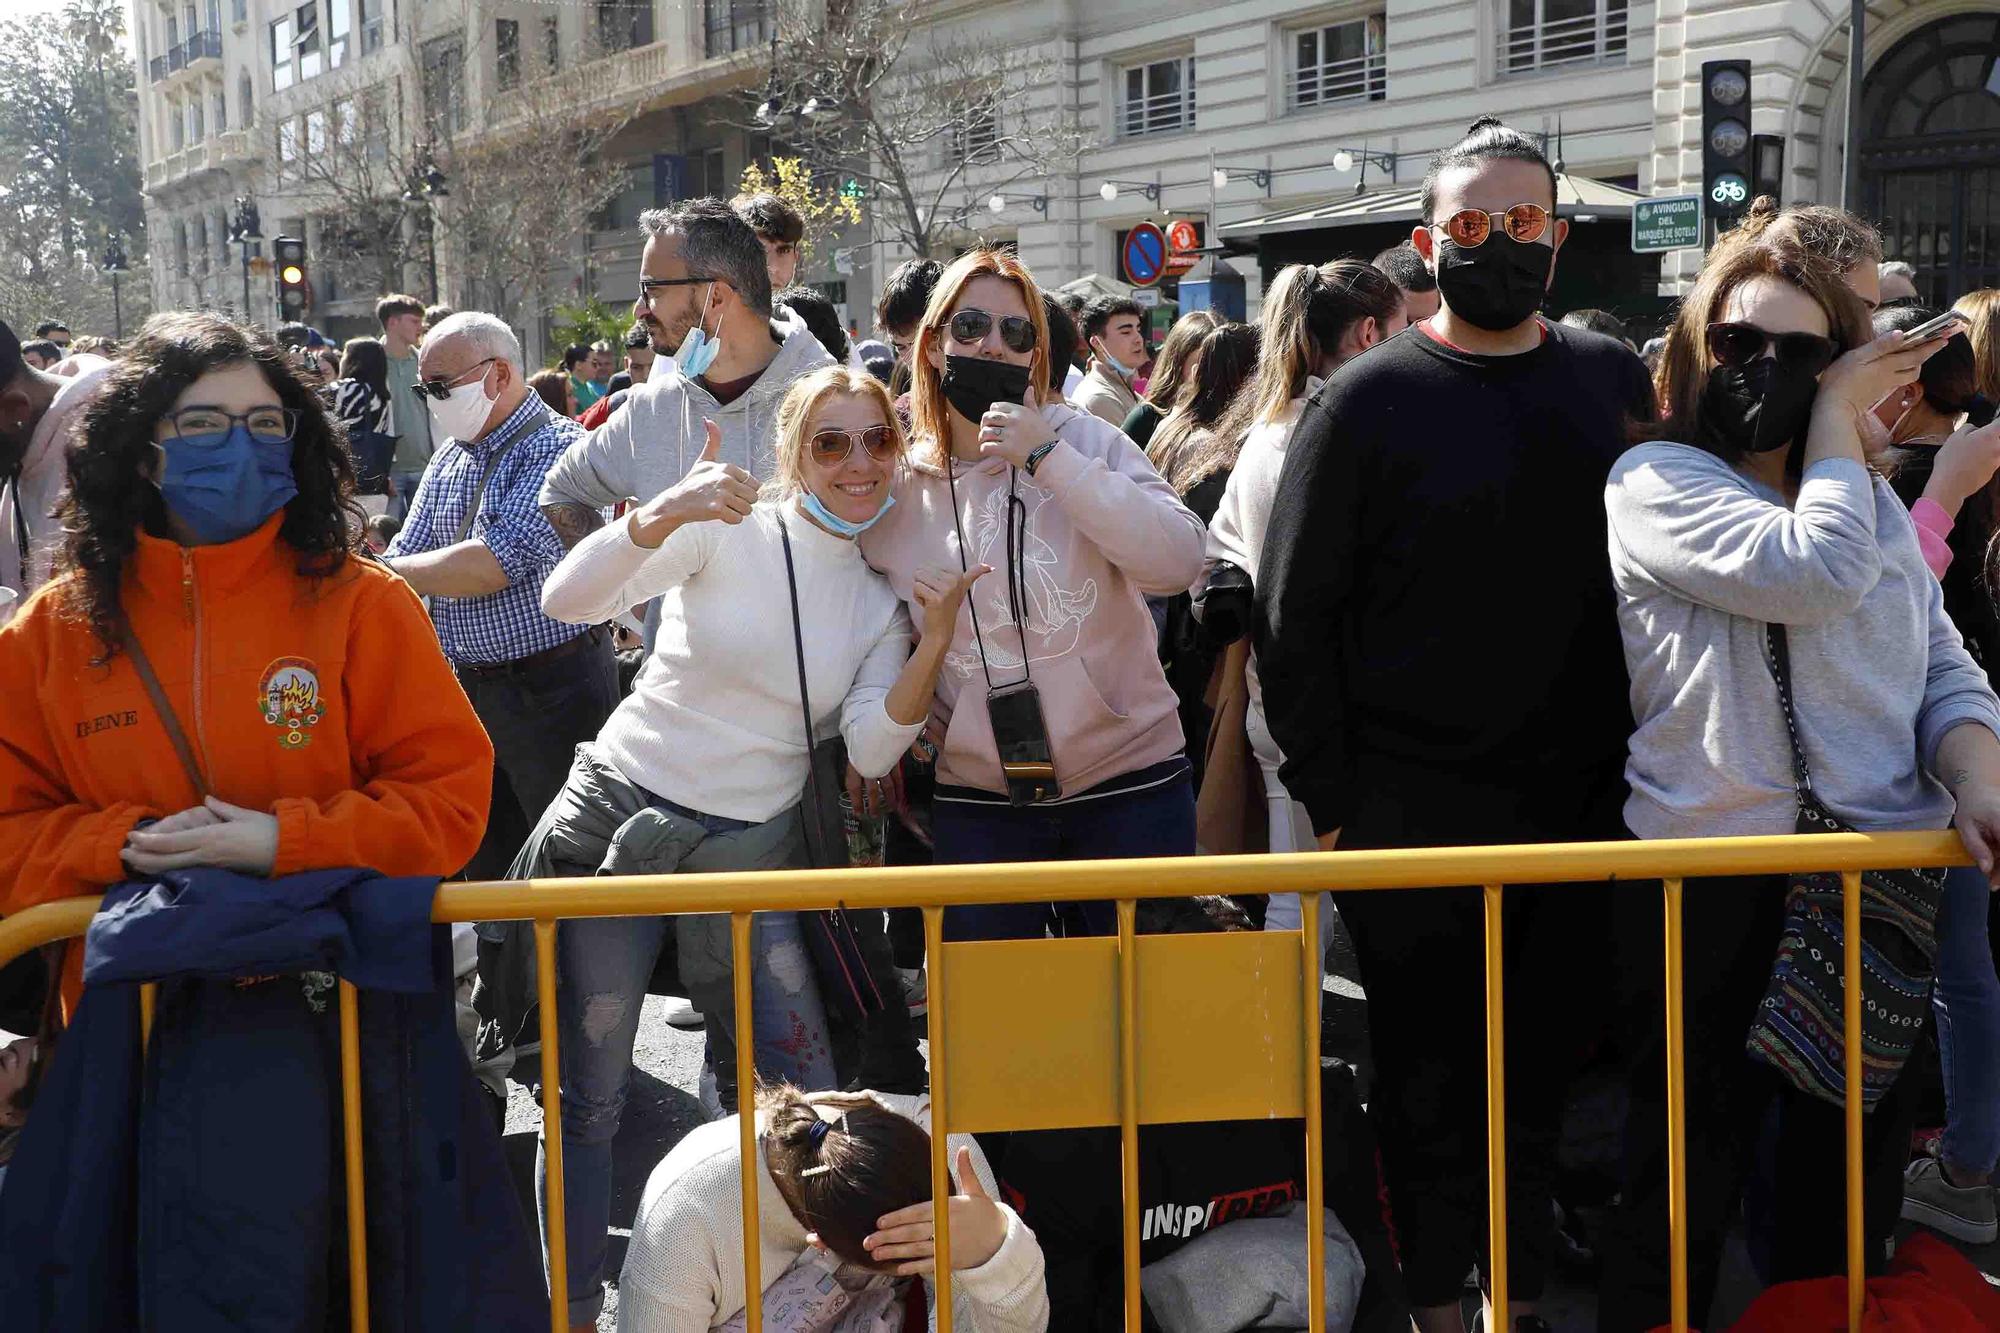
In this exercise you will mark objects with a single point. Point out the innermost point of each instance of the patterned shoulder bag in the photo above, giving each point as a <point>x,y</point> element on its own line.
<point>1800,1030</point>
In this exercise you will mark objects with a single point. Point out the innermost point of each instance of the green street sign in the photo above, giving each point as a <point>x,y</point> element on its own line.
<point>1666,224</point>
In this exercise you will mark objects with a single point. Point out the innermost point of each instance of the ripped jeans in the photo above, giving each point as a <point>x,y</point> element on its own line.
<point>603,824</point>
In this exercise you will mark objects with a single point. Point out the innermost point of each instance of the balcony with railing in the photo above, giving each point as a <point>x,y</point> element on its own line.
<point>1356,78</point>
<point>201,46</point>
<point>1557,34</point>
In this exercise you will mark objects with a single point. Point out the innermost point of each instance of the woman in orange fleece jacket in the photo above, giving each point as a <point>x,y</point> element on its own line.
<point>209,510</point>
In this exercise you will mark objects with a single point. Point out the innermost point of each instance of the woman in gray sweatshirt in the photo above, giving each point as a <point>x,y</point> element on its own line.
<point>1756,507</point>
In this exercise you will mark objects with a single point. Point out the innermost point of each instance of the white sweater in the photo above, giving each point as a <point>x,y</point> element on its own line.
<point>714,723</point>
<point>684,1268</point>
<point>1236,533</point>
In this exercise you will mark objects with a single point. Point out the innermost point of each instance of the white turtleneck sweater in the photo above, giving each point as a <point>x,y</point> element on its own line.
<point>713,722</point>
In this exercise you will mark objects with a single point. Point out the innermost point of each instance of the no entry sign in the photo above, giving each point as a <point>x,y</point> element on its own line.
<point>1145,254</point>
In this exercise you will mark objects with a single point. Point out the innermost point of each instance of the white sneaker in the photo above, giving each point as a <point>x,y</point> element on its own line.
<point>682,1014</point>
<point>916,990</point>
<point>1963,1213</point>
<point>705,1093</point>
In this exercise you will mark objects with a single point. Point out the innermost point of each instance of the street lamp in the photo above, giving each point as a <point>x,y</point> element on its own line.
<point>116,266</point>
<point>997,204</point>
<point>424,186</point>
<point>245,229</point>
<point>1108,191</point>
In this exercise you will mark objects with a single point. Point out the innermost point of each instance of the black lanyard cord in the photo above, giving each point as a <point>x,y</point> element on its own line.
<point>1016,601</point>
<point>21,542</point>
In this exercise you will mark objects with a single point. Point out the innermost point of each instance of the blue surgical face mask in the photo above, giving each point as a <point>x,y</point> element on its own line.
<point>223,485</point>
<point>698,351</point>
<point>833,522</point>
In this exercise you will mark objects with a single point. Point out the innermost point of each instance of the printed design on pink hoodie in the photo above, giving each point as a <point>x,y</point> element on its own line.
<point>1055,615</point>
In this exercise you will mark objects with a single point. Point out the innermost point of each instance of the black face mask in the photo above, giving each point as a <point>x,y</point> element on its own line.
<point>972,384</point>
<point>1495,286</point>
<point>1762,406</point>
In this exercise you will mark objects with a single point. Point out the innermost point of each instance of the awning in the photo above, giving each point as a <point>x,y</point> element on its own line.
<point>1575,195</point>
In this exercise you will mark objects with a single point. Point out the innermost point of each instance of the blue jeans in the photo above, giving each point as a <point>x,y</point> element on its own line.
<point>404,486</point>
<point>602,823</point>
<point>1155,821</point>
<point>1967,1001</point>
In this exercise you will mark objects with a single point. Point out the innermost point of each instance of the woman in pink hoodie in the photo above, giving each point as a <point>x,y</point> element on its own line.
<point>1056,652</point>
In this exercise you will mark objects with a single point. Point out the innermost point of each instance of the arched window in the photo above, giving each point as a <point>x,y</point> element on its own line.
<point>246,104</point>
<point>1930,153</point>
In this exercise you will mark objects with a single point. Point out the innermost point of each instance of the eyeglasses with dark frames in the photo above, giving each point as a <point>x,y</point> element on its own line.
<point>971,325</point>
<point>440,388</point>
<point>1734,343</point>
<point>200,425</point>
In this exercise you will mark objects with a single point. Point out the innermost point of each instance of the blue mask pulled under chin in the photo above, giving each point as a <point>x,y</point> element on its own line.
<point>834,523</point>
<point>223,485</point>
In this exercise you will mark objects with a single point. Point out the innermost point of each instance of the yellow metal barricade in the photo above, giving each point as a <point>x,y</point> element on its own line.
<point>1143,1029</point>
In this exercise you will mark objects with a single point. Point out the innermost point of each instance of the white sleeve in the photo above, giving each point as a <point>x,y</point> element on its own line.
<point>875,741</point>
<point>608,573</point>
<point>669,1283</point>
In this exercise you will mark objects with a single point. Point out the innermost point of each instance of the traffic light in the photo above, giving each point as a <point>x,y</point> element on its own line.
<point>1725,140</point>
<point>288,255</point>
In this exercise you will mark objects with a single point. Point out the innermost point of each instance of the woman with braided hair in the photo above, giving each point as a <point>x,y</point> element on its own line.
<point>844,1222</point>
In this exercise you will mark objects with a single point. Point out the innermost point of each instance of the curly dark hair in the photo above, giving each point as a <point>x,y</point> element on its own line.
<point>107,504</point>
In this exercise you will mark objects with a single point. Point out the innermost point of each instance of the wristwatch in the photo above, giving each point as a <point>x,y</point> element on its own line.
<point>1035,457</point>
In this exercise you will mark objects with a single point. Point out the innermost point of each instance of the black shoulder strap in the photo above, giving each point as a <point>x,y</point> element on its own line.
<point>805,700</point>
<point>1777,648</point>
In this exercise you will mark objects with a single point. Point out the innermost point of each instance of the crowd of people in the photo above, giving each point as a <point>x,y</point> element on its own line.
<point>1408,563</point>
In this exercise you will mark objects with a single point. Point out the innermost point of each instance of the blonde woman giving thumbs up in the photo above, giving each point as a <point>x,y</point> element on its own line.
<point>703,767</point>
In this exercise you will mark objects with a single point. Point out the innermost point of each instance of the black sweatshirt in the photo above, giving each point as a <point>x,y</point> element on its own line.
<point>1434,596</point>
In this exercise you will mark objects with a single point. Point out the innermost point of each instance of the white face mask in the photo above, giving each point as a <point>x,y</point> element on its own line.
<point>463,415</point>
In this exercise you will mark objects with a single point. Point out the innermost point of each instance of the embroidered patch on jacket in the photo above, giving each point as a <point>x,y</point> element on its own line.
<point>288,697</point>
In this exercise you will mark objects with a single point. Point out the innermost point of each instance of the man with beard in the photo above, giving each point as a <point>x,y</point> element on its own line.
<point>705,297</point>
<point>37,409</point>
<point>1440,653</point>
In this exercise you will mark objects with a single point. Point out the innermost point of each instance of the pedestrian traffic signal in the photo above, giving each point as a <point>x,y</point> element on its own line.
<point>851,189</point>
<point>294,289</point>
<point>1725,140</point>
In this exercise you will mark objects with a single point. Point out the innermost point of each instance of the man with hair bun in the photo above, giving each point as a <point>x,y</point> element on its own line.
<point>1441,663</point>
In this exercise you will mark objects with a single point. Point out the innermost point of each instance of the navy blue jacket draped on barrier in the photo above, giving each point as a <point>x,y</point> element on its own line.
<point>200,1185</point>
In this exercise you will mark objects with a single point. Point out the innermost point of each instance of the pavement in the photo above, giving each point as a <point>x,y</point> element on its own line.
<point>661,1107</point>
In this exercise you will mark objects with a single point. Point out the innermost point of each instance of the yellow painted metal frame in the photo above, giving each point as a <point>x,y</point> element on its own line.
<point>1144,969</point>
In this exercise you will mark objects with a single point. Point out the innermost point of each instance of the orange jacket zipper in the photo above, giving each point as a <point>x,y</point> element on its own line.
<point>194,621</point>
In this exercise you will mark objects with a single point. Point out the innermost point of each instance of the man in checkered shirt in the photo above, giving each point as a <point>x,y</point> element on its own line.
<point>540,686</point>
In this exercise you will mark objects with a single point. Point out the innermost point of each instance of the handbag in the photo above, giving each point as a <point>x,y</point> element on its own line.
<point>1230,817</point>
<point>829,934</point>
<point>1800,1029</point>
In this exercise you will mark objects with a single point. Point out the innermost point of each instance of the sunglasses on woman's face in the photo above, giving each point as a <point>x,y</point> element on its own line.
<point>971,325</point>
<point>1469,227</point>
<point>830,448</point>
<point>1732,343</point>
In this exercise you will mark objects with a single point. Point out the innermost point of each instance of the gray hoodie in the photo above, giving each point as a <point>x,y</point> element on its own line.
<point>649,444</point>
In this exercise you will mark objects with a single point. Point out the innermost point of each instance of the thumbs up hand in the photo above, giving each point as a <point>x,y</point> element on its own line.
<point>906,1244</point>
<point>711,490</point>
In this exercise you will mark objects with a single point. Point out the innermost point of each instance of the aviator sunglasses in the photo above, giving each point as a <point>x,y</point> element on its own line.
<point>1469,227</point>
<point>1738,344</point>
<point>830,448</point>
<point>971,325</point>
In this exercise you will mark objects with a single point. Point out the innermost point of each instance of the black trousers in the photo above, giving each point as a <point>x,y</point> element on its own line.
<point>1731,928</point>
<point>1422,962</point>
<point>536,718</point>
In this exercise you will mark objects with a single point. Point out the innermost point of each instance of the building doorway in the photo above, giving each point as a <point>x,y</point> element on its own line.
<point>1930,154</point>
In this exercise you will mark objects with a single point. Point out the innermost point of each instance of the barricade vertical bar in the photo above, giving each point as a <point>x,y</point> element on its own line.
<point>357,1201</point>
<point>1128,1100</point>
<point>1677,1220</point>
<point>552,1144</point>
<point>746,1121</point>
<point>940,1112</point>
<point>1496,1111</point>
<point>1309,908</point>
<point>149,1001</point>
<point>1857,1257</point>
